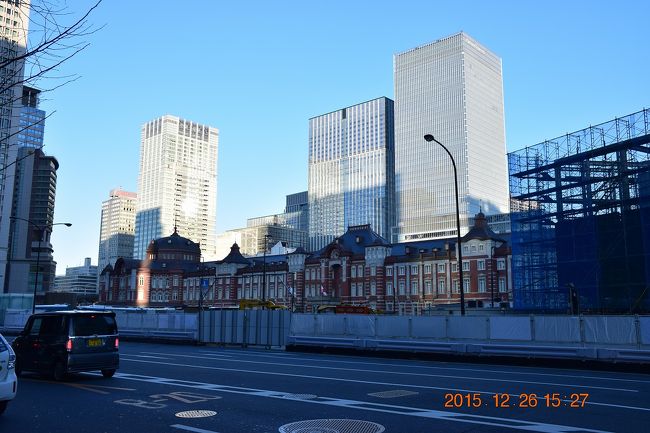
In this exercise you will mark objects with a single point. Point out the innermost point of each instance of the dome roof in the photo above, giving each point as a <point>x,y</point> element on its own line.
<point>175,242</point>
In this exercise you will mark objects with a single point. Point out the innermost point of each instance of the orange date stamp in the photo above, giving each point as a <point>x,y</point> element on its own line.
<point>457,400</point>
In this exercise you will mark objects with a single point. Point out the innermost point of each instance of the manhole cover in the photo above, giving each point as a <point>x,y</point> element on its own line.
<point>300,396</point>
<point>196,414</point>
<point>332,426</point>
<point>393,394</point>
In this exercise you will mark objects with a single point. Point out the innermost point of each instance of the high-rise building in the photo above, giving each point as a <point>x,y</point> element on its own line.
<point>351,171</point>
<point>81,280</point>
<point>32,120</point>
<point>14,23</point>
<point>261,233</point>
<point>31,227</point>
<point>117,230</point>
<point>452,89</point>
<point>297,211</point>
<point>32,208</point>
<point>177,186</point>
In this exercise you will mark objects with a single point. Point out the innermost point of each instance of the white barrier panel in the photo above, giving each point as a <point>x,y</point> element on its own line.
<point>393,326</point>
<point>190,321</point>
<point>149,320</point>
<point>162,320</point>
<point>360,325</point>
<point>557,329</point>
<point>330,324</point>
<point>644,329</point>
<point>302,324</point>
<point>133,321</point>
<point>429,327</point>
<point>610,329</point>
<point>16,318</point>
<point>467,327</point>
<point>510,328</point>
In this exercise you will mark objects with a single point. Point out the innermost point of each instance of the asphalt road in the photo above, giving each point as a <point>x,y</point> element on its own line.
<point>175,389</point>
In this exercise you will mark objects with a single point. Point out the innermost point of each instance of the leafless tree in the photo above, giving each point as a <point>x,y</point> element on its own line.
<point>56,34</point>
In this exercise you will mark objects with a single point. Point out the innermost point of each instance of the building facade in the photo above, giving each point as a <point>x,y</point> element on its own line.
<point>297,211</point>
<point>14,23</point>
<point>357,268</point>
<point>351,168</point>
<point>451,88</point>
<point>31,223</point>
<point>289,228</point>
<point>117,231</point>
<point>81,280</point>
<point>177,185</point>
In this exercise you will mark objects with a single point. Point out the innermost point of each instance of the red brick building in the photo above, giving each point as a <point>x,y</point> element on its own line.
<point>359,267</point>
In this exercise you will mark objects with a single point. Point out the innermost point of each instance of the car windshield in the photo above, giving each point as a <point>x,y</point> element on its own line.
<point>96,324</point>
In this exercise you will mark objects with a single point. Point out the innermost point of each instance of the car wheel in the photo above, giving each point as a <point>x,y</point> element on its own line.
<point>3,406</point>
<point>108,373</point>
<point>59,373</point>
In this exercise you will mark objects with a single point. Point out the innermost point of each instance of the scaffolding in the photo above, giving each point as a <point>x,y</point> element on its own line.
<point>581,219</point>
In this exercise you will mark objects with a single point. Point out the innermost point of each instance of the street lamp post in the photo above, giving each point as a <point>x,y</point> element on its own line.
<point>492,275</point>
<point>266,237</point>
<point>430,138</point>
<point>41,232</point>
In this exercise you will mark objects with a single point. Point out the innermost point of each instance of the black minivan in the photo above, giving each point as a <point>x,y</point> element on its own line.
<point>62,342</point>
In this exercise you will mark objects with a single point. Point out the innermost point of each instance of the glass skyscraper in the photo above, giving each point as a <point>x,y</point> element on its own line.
<point>177,186</point>
<point>452,89</point>
<point>351,166</point>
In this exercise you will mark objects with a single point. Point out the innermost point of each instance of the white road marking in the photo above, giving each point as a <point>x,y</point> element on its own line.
<point>401,373</point>
<point>369,406</point>
<point>146,356</point>
<point>171,354</point>
<point>192,429</point>
<point>405,385</point>
<point>429,367</point>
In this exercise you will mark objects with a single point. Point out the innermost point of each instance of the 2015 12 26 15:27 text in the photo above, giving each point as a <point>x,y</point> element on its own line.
<point>455,400</point>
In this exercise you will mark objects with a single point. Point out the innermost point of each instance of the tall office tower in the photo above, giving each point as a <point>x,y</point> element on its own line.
<point>351,168</point>
<point>117,230</point>
<point>297,210</point>
<point>14,22</point>
<point>34,190</point>
<point>451,89</point>
<point>177,185</point>
<point>30,249</point>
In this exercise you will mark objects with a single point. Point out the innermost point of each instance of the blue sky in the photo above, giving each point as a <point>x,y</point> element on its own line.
<point>258,70</point>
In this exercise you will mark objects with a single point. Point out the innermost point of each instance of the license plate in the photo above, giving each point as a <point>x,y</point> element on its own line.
<point>95,342</point>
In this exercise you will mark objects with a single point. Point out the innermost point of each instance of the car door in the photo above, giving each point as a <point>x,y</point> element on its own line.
<point>52,339</point>
<point>28,343</point>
